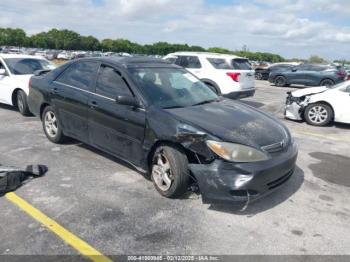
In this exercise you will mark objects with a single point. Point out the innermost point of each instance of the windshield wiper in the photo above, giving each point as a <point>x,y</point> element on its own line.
<point>206,102</point>
<point>172,107</point>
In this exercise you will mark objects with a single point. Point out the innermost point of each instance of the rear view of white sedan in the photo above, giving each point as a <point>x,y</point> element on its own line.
<point>15,72</point>
<point>227,75</point>
<point>319,106</point>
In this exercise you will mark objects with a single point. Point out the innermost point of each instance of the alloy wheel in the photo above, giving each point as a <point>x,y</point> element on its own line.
<point>161,172</point>
<point>50,123</point>
<point>318,114</point>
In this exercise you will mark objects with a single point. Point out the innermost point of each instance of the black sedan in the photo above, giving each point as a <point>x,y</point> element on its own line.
<point>164,121</point>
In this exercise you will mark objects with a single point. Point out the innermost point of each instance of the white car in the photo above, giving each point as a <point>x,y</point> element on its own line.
<point>320,105</point>
<point>227,75</point>
<point>15,72</point>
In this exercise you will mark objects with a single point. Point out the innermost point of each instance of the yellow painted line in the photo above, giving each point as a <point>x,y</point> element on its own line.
<point>340,139</point>
<point>81,246</point>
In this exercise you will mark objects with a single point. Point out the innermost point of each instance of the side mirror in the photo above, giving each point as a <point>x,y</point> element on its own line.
<point>127,101</point>
<point>2,72</point>
<point>294,69</point>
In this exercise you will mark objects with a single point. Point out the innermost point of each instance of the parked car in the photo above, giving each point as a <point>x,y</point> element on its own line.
<point>65,55</point>
<point>15,72</point>
<point>162,119</point>
<point>308,75</point>
<point>263,73</point>
<point>227,75</point>
<point>320,105</point>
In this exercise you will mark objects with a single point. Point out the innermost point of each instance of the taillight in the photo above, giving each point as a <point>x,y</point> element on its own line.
<point>348,78</point>
<point>30,83</point>
<point>234,76</point>
<point>341,74</point>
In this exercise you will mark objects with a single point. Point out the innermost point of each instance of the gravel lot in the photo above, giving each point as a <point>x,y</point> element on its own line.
<point>117,211</point>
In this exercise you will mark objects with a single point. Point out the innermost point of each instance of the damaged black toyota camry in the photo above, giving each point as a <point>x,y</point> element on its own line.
<point>163,120</point>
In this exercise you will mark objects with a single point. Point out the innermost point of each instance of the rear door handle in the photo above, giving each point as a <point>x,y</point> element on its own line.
<point>93,104</point>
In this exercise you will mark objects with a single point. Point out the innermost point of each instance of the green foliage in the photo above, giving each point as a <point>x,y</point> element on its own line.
<point>70,40</point>
<point>314,59</point>
<point>15,37</point>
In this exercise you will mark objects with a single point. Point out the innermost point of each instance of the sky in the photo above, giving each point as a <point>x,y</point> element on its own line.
<point>291,28</point>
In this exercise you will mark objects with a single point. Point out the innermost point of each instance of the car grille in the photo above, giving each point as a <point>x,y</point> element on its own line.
<point>280,180</point>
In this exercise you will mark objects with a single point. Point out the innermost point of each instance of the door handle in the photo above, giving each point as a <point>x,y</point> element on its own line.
<point>93,104</point>
<point>55,90</point>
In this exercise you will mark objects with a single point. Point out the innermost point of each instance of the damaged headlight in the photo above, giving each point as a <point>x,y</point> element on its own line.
<point>236,152</point>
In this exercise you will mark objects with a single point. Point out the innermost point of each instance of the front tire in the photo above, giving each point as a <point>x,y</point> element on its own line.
<point>169,171</point>
<point>22,104</point>
<point>280,81</point>
<point>318,114</point>
<point>51,126</point>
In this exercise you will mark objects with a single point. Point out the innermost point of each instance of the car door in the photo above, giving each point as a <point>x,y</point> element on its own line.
<point>298,74</point>
<point>6,85</point>
<point>115,128</point>
<point>341,104</point>
<point>70,95</point>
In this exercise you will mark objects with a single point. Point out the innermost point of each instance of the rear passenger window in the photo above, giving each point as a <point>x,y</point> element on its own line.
<point>110,84</point>
<point>241,64</point>
<point>80,74</point>
<point>189,62</point>
<point>219,63</point>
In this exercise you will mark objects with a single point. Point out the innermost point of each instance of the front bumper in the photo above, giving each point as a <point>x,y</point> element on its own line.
<point>238,183</point>
<point>240,94</point>
<point>293,111</point>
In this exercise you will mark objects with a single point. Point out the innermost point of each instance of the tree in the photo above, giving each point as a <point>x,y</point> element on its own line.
<point>314,59</point>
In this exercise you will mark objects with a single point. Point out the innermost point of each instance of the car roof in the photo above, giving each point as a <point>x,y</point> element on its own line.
<point>5,56</point>
<point>131,61</point>
<point>208,54</point>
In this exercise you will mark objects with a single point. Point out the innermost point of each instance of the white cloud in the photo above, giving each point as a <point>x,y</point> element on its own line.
<point>290,27</point>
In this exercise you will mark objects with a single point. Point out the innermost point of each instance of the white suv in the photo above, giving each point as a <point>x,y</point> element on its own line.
<point>227,75</point>
<point>15,72</point>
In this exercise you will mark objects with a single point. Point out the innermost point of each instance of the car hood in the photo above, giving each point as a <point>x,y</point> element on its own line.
<point>233,121</point>
<point>309,91</point>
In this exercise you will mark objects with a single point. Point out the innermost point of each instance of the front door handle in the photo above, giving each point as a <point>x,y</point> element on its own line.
<point>55,90</point>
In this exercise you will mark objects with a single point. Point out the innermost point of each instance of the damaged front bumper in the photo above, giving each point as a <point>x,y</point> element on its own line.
<point>293,111</point>
<point>240,183</point>
<point>295,107</point>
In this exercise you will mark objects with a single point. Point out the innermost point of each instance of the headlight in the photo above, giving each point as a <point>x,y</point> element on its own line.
<point>236,152</point>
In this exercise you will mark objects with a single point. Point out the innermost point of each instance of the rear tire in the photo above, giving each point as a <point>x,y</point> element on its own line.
<point>51,126</point>
<point>327,82</point>
<point>280,81</point>
<point>258,76</point>
<point>22,104</point>
<point>318,114</point>
<point>169,171</point>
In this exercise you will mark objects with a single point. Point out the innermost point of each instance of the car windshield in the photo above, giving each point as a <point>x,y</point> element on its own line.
<point>171,87</point>
<point>27,66</point>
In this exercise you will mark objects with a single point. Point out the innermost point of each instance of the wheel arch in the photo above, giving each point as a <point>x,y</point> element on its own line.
<point>213,84</point>
<point>42,108</point>
<point>191,156</point>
